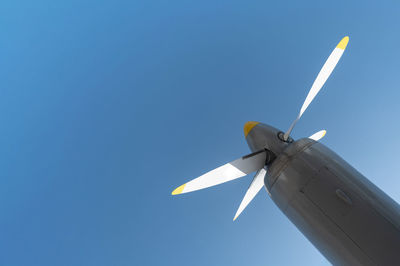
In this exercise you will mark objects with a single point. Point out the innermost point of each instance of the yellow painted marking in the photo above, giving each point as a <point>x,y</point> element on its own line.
<point>235,218</point>
<point>249,126</point>
<point>323,134</point>
<point>343,43</point>
<point>178,190</point>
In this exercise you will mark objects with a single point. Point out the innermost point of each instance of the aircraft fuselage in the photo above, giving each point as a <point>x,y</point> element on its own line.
<point>346,217</point>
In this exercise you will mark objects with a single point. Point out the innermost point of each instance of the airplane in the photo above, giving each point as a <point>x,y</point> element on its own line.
<point>344,215</point>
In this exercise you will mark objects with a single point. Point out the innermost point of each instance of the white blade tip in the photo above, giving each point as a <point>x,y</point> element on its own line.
<point>317,136</point>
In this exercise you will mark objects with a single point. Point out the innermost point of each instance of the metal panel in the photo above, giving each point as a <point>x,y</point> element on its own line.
<point>369,230</point>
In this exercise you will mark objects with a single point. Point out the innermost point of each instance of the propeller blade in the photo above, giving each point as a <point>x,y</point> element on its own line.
<point>317,136</point>
<point>323,75</point>
<point>254,188</point>
<point>230,171</point>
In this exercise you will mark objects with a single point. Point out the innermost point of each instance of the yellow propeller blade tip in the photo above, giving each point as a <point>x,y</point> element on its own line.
<point>343,43</point>
<point>235,218</point>
<point>178,190</point>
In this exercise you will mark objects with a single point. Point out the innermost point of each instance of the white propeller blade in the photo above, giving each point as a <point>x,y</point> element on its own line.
<point>227,172</point>
<point>323,75</point>
<point>255,187</point>
<point>317,136</point>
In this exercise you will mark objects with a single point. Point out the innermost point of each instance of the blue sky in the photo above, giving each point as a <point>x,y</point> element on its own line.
<point>107,106</point>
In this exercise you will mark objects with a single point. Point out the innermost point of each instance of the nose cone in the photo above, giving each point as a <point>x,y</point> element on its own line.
<point>259,136</point>
<point>249,126</point>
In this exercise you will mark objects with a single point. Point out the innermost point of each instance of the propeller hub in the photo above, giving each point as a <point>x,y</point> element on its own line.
<point>281,136</point>
<point>262,136</point>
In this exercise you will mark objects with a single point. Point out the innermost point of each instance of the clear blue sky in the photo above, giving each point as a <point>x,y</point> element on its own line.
<point>107,106</point>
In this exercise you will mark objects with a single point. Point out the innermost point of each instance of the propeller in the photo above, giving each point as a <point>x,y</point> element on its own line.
<point>255,186</point>
<point>323,75</point>
<point>227,172</point>
<point>259,160</point>
<point>258,180</point>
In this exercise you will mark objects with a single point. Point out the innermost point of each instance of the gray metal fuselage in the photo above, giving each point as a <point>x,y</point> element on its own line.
<point>346,217</point>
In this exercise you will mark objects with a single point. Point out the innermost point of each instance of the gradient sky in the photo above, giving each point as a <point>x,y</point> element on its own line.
<point>107,106</point>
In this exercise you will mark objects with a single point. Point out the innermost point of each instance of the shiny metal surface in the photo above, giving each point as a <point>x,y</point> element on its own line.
<point>265,136</point>
<point>361,226</point>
